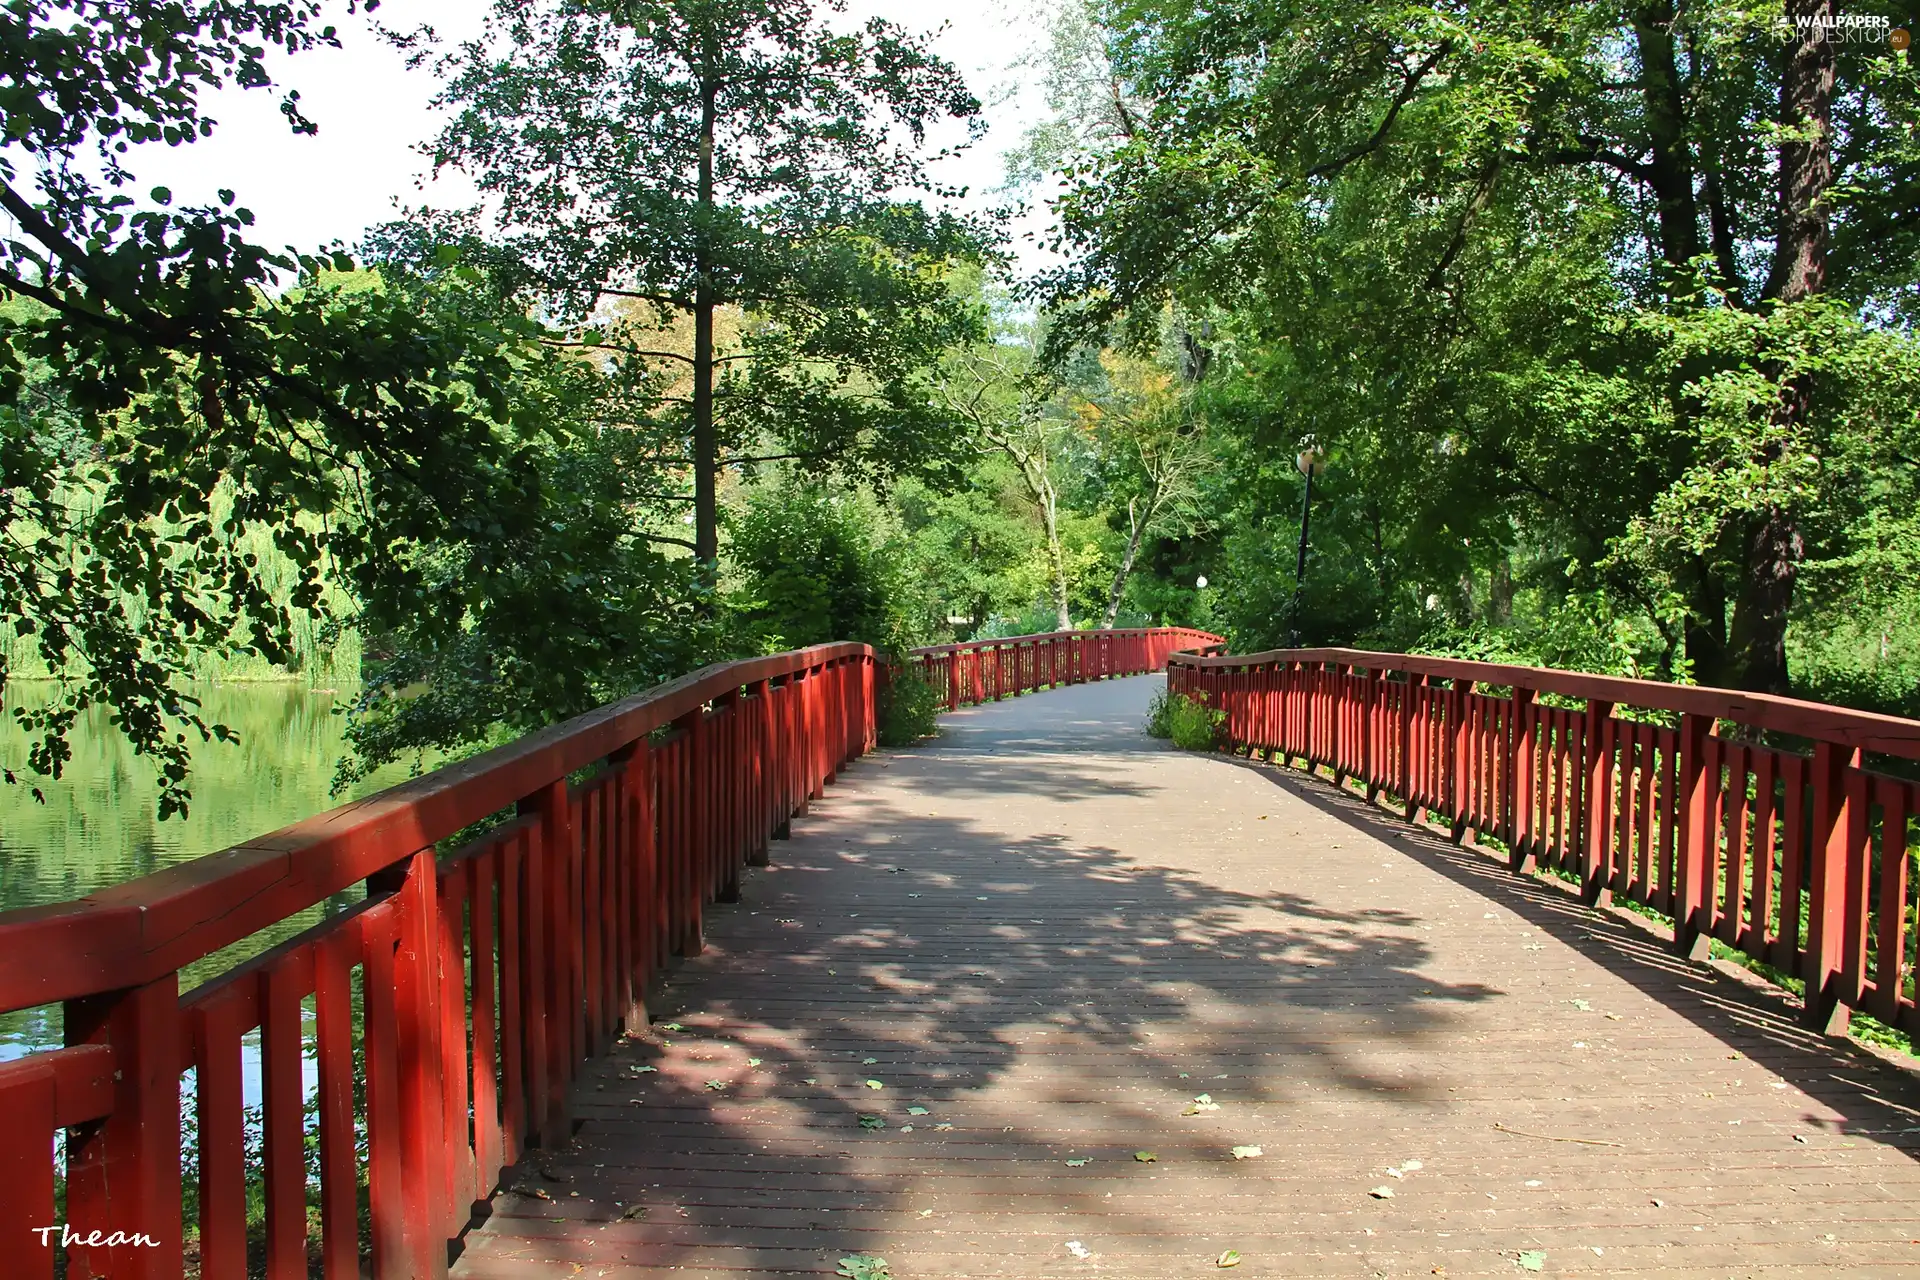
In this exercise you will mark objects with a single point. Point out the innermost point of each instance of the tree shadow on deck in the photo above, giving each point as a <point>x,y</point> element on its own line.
<point>1878,1098</point>
<point>1050,1000</point>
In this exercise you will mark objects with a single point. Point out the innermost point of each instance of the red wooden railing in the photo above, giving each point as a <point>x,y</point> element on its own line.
<point>488,976</point>
<point>1746,818</point>
<point>978,671</point>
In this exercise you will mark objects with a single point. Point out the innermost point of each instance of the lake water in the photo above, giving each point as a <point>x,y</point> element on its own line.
<point>98,825</point>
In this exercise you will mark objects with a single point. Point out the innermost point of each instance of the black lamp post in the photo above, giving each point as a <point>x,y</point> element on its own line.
<point>1312,460</point>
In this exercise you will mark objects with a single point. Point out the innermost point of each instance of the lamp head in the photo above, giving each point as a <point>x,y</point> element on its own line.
<point>1312,459</point>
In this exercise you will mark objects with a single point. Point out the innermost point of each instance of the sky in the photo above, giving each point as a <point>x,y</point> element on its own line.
<point>373,112</point>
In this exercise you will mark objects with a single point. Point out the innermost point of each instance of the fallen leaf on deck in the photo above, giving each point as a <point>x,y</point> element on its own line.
<point>1247,1153</point>
<point>943,1126</point>
<point>753,1062</point>
<point>640,1071</point>
<point>1078,1250</point>
<point>1531,1260</point>
<point>867,1062</point>
<point>872,1122</point>
<point>916,1111</point>
<point>716,1084</point>
<point>1145,1157</point>
<point>862,1266</point>
<point>633,1211</point>
<point>875,1084</point>
<point>672,1026</point>
<point>1204,1102</point>
<point>1075,1164</point>
<point>1381,1193</point>
<point>1231,1258</point>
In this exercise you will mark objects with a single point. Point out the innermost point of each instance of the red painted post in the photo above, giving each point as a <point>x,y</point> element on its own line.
<point>1597,812</point>
<point>1456,796</point>
<point>123,1172</point>
<point>1839,839</point>
<point>1521,846</point>
<point>1694,790</point>
<point>423,1144</point>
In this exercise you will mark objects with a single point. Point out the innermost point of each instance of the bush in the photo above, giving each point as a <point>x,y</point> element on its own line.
<point>1160,714</point>
<point>1190,723</point>
<point>815,565</point>
<point>908,706</point>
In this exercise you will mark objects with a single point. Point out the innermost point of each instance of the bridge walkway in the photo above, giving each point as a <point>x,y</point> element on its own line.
<point>1046,999</point>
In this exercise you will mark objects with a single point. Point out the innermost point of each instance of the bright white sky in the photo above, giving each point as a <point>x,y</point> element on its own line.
<point>372,112</point>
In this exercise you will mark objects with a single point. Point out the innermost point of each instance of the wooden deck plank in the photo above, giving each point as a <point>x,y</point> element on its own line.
<point>1052,936</point>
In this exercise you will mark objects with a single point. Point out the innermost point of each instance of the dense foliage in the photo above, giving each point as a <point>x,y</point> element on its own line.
<point>1601,317</point>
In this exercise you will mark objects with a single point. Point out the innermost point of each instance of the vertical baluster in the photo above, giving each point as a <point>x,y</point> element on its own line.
<point>283,1153</point>
<point>384,1107</point>
<point>333,1042</point>
<point>1696,782</point>
<point>1731,925</point>
<point>482,876</point>
<point>423,1145</point>
<point>218,1090</point>
<point>517,1019</point>
<point>1890,967</point>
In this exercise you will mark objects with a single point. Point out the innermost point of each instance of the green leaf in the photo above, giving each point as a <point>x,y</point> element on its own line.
<point>861,1266</point>
<point>916,1111</point>
<point>1075,1164</point>
<point>1247,1153</point>
<point>1145,1157</point>
<point>872,1122</point>
<point>1531,1260</point>
<point>1231,1258</point>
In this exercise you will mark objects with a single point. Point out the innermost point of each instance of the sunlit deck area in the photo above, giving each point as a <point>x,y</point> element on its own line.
<point>1045,998</point>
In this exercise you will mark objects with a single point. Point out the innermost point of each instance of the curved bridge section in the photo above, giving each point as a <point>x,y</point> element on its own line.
<point>1040,998</point>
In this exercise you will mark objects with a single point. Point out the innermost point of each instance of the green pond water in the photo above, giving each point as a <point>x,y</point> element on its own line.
<point>99,826</point>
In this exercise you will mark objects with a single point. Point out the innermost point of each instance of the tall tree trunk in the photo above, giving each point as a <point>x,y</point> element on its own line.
<point>1773,546</point>
<point>1135,527</point>
<point>1670,165</point>
<point>1500,593</point>
<point>1704,634</point>
<point>706,442</point>
<point>1049,510</point>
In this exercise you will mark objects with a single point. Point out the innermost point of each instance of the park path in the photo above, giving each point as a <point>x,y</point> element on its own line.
<point>1044,936</point>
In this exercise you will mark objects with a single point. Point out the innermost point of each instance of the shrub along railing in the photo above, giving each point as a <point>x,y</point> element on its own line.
<point>486,978</point>
<point>977,671</point>
<point>1781,828</point>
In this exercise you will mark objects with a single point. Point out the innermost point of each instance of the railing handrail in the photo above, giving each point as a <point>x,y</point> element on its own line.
<point>969,672</point>
<point>959,646</point>
<point>134,932</point>
<point>1865,730</point>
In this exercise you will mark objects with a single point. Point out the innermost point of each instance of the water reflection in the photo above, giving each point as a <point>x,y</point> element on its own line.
<point>98,825</point>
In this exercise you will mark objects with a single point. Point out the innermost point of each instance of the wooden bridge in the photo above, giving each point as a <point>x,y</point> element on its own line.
<point>1041,998</point>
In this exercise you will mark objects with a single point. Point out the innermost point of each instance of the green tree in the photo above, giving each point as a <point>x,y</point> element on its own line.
<point>693,158</point>
<point>174,392</point>
<point>1286,150</point>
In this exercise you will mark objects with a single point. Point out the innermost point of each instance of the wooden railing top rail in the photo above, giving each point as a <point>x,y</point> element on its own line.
<point>960,646</point>
<point>1864,730</point>
<point>139,931</point>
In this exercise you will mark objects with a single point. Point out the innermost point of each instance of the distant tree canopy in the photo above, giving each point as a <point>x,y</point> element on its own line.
<point>690,158</point>
<point>1611,297</point>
